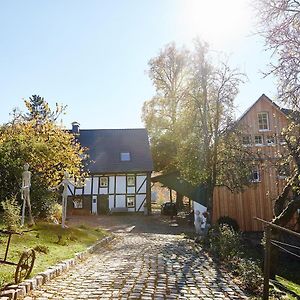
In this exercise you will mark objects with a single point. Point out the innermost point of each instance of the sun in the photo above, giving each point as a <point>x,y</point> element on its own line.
<point>216,21</point>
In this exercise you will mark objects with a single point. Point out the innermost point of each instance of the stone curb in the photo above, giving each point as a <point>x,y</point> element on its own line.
<point>19,291</point>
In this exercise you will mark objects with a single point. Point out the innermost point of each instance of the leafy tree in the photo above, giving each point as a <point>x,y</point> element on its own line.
<point>192,113</point>
<point>280,26</point>
<point>49,150</point>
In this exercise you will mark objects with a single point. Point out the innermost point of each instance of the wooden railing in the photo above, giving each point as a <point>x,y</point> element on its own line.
<point>268,244</point>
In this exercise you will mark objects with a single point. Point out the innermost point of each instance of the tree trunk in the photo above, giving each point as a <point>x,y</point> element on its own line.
<point>179,201</point>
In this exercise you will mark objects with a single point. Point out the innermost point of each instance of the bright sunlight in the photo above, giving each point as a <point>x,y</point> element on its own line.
<point>218,22</point>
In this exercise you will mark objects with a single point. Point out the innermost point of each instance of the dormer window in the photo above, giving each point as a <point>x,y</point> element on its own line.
<point>125,156</point>
<point>263,121</point>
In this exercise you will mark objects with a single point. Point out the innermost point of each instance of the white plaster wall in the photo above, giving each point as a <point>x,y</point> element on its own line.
<point>111,201</point>
<point>88,186</point>
<point>111,183</point>
<point>95,185</point>
<point>130,189</point>
<point>78,191</point>
<point>72,189</point>
<point>138,200</point>
<point>120,201</point>
<point>103,191</point>
<point>139,181</point>
<point>121,184</point>
<point>131,209</point>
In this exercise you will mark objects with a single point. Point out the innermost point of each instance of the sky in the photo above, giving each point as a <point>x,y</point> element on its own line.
<point>93,55</point>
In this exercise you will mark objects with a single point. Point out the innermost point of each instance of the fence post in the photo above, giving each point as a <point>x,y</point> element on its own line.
<point>267,261</point>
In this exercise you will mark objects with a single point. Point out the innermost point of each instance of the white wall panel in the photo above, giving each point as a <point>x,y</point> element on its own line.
<point>111,201</point>
<point>120,201</point>
<point>71,187</point>
<point>130,189</point>
<point>103,191</point>
<point>131,209</point>
<point>139,181</point>
<point>78,191</point>
<point>111,184</point>
<point>121,184</point>
<point>95,185</point>
<point>139,200</point>
<point>87,186</point>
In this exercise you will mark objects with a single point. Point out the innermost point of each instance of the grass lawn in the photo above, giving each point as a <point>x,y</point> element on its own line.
<point>58,243</point>
<point>292,286</point>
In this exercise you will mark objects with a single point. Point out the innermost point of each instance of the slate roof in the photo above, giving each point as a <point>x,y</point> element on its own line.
<point>105,145</point>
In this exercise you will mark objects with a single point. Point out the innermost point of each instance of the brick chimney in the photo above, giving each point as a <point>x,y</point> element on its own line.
<point>76,128</point>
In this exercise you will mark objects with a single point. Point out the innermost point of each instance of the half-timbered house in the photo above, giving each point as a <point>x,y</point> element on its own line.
<point>119,172</point>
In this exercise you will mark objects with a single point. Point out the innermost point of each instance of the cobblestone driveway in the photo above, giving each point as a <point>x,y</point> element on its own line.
<point>143,266</point>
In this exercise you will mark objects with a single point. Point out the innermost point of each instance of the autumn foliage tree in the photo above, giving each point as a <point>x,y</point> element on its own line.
<point>35,138</point>
<point>190,119</point>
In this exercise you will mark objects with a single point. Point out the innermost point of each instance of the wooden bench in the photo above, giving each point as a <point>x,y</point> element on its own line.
<point>118,210</point>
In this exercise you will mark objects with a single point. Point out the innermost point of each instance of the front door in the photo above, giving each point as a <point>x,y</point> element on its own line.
<point>103,204</point>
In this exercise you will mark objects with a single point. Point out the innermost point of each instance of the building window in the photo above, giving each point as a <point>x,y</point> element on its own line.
<point>282,140</point>
<point>270,140</point>
<point>246,141</point>
<point>263,121</point>
<point>130,180</point>
<point>78,203</point>
<point>125,156</point>
<point>258,140</point>
<point>103,181</point>
<point>255,176</point>
<point>130,201</point>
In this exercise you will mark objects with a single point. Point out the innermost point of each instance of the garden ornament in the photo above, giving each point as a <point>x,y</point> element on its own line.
<point>65,183</point>
<point>25,194</point>
<point>198,222</point>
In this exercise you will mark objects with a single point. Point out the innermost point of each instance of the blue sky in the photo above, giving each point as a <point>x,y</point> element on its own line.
<point>92,55</point>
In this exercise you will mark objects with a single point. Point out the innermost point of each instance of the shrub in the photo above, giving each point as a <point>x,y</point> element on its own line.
<point>224,242</point>
<point>11,213</point>
<point>55,213</point>
<point>41,248</point>
<point>232,223</point>
<point>249,273</point>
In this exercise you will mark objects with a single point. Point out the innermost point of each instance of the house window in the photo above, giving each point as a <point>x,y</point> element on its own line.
<point>130,201</point>
<point>125,156</point>
<point>103,181</point>
<point>282,140</point>
<point>246,140</point>
<point>255,175</point>
<point>258,140</point>
<point>130,180</point>
<point>263,121</point>
<point>78,203</point>
<point>270,140</point>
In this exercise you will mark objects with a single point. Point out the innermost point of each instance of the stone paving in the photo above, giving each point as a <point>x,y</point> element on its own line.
<point>143,266</point>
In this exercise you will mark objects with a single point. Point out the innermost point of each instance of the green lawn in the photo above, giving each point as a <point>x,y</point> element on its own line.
<point>292,286</point>
<point>59,244</point>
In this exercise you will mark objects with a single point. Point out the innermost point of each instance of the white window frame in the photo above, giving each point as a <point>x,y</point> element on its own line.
<point>129,199</point>
<point>261,114</point>
<point>105,183</point>
<point>130,180</point>
<point>258,179</point>
<point>273,141</point>
<point>246,144</point>
<point>262,140</point>
<point>125,156</point>
<point>78,203</point>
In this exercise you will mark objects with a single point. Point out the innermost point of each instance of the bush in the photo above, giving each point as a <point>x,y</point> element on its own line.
<point>224,242</point>
<point>11,213</point>
<point>232,223</point>
<point>41,248</point>
<point>249,273</point>
<point>55,213</point>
